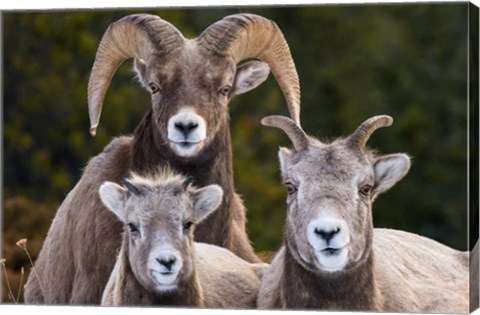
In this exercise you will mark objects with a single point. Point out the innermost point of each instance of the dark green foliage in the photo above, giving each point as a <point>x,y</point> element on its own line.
<point>407,61</point>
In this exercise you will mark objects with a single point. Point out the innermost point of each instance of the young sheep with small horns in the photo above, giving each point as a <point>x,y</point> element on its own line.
<point>332,257</point>
<point>159,263</point>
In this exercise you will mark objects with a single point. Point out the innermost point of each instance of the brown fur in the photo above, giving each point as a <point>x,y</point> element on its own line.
<point>84,236</point>
<point>82,231</point>
<point>78,253</point>
<point>354,290</point>
<point>225,227</point>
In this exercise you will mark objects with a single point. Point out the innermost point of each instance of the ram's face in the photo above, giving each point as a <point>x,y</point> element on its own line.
<point>190,95</point>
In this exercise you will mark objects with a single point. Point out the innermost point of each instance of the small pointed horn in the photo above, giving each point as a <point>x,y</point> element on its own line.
<point>360,137</point>
<point>133,36</point>
<point>294,132</point>
<point>131,187</point>
<point>243,36</point>
<point>189,180</point>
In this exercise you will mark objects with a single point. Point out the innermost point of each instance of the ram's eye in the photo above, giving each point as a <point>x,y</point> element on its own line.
<point>132,227</point>
<point>154,88</point>
<point>188,225</point>
<point>291,189</point>
<point>225,90</point>
<point>365,190</point>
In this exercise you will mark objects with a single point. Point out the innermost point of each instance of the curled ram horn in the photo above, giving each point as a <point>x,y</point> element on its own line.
<point>134,36</point>
<point>235,37</point>
<point>252,36</point>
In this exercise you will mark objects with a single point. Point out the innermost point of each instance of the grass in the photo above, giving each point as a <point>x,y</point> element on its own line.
<point>23,245</point>
<point>11,296</point>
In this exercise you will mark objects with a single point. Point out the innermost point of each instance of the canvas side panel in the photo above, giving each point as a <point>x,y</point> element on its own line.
<point>473,91</point>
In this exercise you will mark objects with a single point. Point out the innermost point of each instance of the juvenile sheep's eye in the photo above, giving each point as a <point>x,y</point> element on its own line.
<point>187,225</point>
<point>154,88</point>
<point>365,190</point>
<point>291,189</point>
<point>225,90</point>
<point>132,227</point>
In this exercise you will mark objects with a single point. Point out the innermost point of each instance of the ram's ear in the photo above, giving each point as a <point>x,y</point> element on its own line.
<point>141,71</point>
<point>114,197</point>
<point>389,169</point>
<point>249,75</point>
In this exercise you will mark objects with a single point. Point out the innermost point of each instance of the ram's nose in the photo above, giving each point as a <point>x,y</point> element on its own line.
<point>327,232</point>
<point>186,127</point>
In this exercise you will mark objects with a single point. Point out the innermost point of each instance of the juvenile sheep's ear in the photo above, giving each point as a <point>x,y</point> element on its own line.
<point>206,201</point>
<point>389,169</point>
<point>249,76</point>
<point>113,197</point>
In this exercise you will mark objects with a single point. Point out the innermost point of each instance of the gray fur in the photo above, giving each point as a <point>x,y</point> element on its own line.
<point>332,187</point>
<point>209,276</point>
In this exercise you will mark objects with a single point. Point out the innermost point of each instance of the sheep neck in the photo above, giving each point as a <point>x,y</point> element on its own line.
<point>347,290</point>
<point>188,292</point>
<point>149,151</point>
<point>212,166</point>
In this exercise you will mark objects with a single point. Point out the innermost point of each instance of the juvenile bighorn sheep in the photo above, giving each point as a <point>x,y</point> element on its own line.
<point>191,82</point>
<point>159,263</point>
<point>332,257</point>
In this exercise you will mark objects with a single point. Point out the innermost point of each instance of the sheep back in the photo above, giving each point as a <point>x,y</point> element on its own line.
<point>82,233</point>
<point>227,281</point>
<point>418,274</point>
<point>412,274</point>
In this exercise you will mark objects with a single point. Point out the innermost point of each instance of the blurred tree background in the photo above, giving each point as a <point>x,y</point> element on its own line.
<point>354,61</point>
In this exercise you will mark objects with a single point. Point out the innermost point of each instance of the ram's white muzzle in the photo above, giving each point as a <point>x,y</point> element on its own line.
<point>186,132</point>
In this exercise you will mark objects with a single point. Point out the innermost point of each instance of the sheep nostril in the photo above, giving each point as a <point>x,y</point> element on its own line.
<point>186,128</point>
<point>326,235</point>
<point>191,126</point>
<point>167,263</point>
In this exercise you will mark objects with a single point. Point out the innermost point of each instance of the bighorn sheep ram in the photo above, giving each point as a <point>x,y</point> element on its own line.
<point>191,82</point>
<point>159,263</point>
<point>332,257</point>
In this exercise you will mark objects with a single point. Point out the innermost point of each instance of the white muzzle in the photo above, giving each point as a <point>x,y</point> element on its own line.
<point>329,238</point>
<point>186,132</point>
